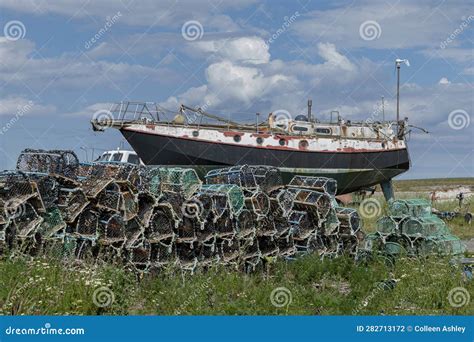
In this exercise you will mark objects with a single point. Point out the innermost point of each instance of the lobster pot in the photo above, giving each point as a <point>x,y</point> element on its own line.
<point>208,252</point>
<point>257,201</point>
<point>198,207</point>
<point>206,232</point>
<point>140,256</point>
<point>387,225</point>
<point>268,246</point>
<point>16,185</point>
<point>320,184</point>
<point>163,252</point>
<point>233,195</point>
<point>59,162</point>
<point>331,224</point>
<point>71,202</point>
<point>281,202</point>
<point>176,201</point>
<point>282,227</point>
<point>186,231</point>
<point>128,173</point>
<point>48,190</point>
<point>266,227</point>
<point>146,204</point>
<point>88,224</point>
<point>410,207</point>
<point>301,225</point>
<point>228,250</point>
<point>424,226</point>
<point>349,220</point>
<point>246,224</point>
<point>348,245</point>
<point>179,180</point>
<point>26,221</point>
<point>111,229</point>
<point>224,227</point>
<point>129,207</point>
<point>110,198</point>
<point>187,253</point>
<point>150,180</point>
<point>92,187</point>
<point>246,176</point>
<point>134,233</point>
<point>306,245</point>
<point>162,224</point>
<point>317,203</point>
<point>85,249</point>
<point>286,246</point>
<point>84,170</point>
<point>450,245</point>
<point>249,248</point>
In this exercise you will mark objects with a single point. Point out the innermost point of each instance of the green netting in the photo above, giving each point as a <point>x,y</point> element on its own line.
<point>233,193</point>
<point>410,207</point>
<point>444,245</point>
<point>53,224</point>
<point>388,225</point>
<point>185,181</point>
<point>424,226</point>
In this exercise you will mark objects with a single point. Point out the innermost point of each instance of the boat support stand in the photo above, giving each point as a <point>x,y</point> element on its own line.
<point>387,189</point>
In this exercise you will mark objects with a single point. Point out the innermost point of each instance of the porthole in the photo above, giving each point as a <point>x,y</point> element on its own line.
<point>282,142</point>
<point>195,133</point>
<point>303,144</point>
<point>260,140</point>
<point>237,138</point>
<point>383,145</point>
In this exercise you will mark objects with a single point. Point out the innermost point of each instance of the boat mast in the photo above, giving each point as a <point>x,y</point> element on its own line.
<point>397,63</point>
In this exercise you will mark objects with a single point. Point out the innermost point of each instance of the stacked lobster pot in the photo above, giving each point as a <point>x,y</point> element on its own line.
<point>411,228</point>
<point>150,218</point>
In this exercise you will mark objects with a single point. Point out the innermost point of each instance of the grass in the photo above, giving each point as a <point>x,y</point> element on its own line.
<point>328,287</point>
<point>418,185</point>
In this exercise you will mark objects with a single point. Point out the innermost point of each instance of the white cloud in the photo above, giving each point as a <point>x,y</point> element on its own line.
<point>20,64</point>
<point>19,105</point>
<point>444,80</point>
<point>168,13</point>
<point>403,24</point>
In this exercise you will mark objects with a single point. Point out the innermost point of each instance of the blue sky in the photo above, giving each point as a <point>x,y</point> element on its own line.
<point>242,57</point>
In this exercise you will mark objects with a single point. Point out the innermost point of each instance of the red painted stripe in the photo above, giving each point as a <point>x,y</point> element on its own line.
<point>281,148</point>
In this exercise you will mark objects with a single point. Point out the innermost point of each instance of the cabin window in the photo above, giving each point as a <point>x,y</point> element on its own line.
<point>260,140</point>
<point>300,129</point>
<point>195,133</point>
<point>117,157</point>
<point>133,159</point>
<point>323,130</point>
<point>282,142</point>
<point>303,144</point>
<point>104,157</point>
<point>237,138</point>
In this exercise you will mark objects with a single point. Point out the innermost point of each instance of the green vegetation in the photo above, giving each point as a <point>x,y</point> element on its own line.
<point>328,287</point>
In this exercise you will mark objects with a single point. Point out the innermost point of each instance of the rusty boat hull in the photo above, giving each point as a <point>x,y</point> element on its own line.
<point>354,169</point>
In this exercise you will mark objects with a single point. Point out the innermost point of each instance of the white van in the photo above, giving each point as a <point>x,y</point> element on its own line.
<point>120,156</point>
